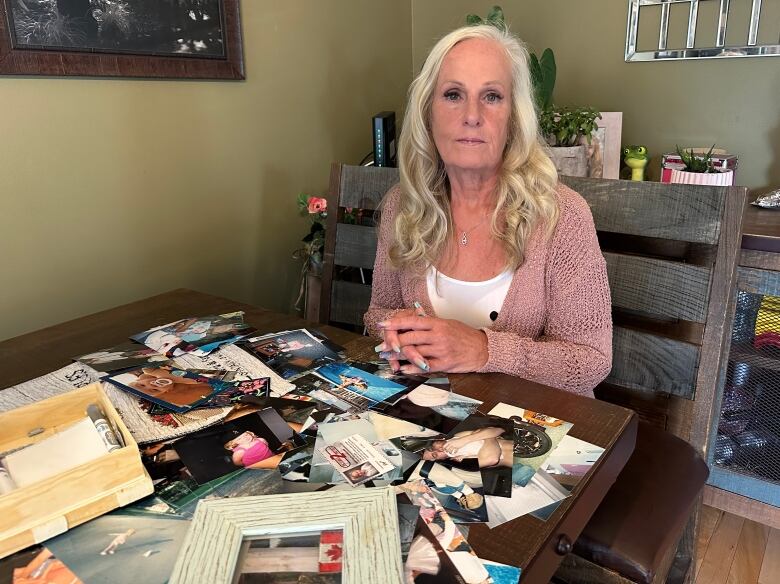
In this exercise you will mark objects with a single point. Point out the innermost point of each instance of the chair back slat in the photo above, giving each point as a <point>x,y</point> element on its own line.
<point>362,187</point>
<point>683,212</point>
<point>657,287</point>
<point>355,246</point>
<point>350,301</point>
<point>651,363</point>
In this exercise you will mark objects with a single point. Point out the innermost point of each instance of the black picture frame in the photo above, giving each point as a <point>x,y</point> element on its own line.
<point>18,60</point>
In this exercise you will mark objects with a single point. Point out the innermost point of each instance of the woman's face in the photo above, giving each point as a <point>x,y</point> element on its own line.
<point>471,106</point>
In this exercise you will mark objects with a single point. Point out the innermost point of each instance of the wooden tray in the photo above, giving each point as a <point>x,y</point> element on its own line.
<point>50,507</point>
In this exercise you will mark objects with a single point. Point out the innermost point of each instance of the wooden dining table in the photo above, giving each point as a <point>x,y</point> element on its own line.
<point>536,546</point>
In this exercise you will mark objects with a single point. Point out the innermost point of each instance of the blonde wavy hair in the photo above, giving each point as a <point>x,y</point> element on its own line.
<point>527,177</point>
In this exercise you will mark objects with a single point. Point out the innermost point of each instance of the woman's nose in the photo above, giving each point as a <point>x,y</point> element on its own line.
<point>473,113</point>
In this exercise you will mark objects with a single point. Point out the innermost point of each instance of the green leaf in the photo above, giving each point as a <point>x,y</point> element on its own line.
<point>473,20</point>
<point>496,17</point>
<point>548,74</point>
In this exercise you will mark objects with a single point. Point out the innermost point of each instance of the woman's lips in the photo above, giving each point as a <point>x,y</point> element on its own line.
<point>470,141</point>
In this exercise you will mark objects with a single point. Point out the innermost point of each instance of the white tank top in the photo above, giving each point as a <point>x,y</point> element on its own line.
<point>469,302</point>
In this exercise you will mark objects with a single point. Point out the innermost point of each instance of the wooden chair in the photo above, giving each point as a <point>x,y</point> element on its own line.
<point>671,253</point>
<point>344,300</point>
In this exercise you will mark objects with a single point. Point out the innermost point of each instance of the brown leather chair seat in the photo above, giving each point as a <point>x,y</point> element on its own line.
<point>646,510</point>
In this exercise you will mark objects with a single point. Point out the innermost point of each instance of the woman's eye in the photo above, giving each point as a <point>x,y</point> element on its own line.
<point>493,97</point>
<point>451,95</point>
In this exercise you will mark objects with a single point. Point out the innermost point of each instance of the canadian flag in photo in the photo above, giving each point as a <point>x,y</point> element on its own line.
<point>331,543</point>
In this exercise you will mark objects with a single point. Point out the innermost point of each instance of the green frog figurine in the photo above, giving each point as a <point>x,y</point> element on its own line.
<point>636,159</point>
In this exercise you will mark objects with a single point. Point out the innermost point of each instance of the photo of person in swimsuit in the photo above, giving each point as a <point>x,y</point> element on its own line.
<point>482,444</point>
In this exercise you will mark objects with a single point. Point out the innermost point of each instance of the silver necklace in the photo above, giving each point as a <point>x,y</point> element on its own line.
<point>464,235</point>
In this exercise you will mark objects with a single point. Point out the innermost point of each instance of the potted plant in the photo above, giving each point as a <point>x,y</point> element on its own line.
<point>699,169</point>
<point>567,130</point>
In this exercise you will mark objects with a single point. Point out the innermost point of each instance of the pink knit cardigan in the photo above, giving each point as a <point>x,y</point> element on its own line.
<point>555,325</point>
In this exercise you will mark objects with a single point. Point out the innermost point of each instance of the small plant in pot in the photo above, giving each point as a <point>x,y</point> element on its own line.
<point>568,132</point>
<point>699,169</point>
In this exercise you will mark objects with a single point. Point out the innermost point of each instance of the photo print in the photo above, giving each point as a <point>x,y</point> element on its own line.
<point>536,437</point>
<point>44,569</point>
<point>571,460</point>
<point>246,391</point>
<point>484,442</point>
<point>388,461</point>
<point>356,381</point>
<point>438,533</point>
<point>110,549</point>
<point>290,353</point>
<point>198,336</point>
<point>541,493</point>
<point>460,492</point>
<point>433,407</point>
<point>175,389</point>
<point>501,573</point>
<point>124,356</point>
<point>313,557</point>
<point>256,440</point>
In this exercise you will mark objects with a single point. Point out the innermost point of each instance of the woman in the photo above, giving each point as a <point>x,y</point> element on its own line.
<point>483,444</point>
<point>500,259</point>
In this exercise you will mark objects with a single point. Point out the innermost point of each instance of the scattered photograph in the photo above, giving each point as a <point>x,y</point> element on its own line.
<point>124,356</point>
<point>322,471</point>
<point>139,27</point>
<point>446,536</point>
<point>357,460</point>
<point>115,548</point>
<point>487,441</point>
<point>253,441</point>
<point>369,386</point>
<point>290,353</point>
<point>541,492</point>
<point>175,389</point>
<point>382,369</point>
<point>180,493</point>
<point>312,557</point>
<point>45,569</point>
<point>198,336</point>
<point>571,460</point>
<point>536,436</point>
<point>501,573</point>
<point>433,407</point>
<point>242,391</point>
<point>459,492</point>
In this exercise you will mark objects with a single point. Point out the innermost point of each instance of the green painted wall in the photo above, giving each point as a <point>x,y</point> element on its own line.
<point>114,190</point>
<point>734,102</point>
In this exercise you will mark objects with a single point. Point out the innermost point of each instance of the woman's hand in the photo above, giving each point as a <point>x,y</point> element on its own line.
<point>434,344</point>
<point>452,445</point>
<point>390,347</point>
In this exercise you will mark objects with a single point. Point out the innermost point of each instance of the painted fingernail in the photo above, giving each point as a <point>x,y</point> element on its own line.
<point>387,355</point>
<point>396,347</point>
<point>380,347</point>
<point>422,364</point>
<point>383,324</point>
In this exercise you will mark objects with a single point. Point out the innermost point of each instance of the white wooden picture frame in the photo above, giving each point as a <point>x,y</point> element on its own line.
<point>367,517</point>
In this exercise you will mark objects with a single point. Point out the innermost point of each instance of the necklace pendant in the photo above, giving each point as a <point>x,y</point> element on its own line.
<point>464,240</point>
